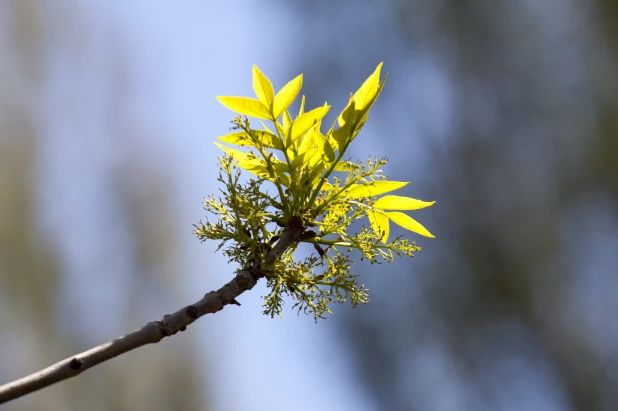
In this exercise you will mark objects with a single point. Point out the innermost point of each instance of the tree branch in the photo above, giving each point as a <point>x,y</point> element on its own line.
<point>154,331</point>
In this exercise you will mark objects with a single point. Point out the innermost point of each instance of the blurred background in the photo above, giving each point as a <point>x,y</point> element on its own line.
<point>504,112</point>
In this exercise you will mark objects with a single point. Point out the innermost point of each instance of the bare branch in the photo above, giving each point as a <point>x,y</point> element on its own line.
<point>154,331</point>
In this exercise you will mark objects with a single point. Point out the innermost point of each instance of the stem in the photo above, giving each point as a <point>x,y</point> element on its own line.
<point>342,244</point>
<point>322,181</point>
<point>154,331</point>
<point>273,174</point>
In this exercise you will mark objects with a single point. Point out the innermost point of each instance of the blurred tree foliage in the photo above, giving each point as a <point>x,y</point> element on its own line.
<point>515,104</point>
<point>40,323</point>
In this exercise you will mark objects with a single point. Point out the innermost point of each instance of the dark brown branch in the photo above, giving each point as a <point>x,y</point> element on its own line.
<point>154,331</point>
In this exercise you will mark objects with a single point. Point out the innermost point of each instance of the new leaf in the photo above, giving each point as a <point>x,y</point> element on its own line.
<point>246,106</point>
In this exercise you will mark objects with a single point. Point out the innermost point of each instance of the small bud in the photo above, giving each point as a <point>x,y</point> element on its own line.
<point>308,235</point>
<point>318,249</point>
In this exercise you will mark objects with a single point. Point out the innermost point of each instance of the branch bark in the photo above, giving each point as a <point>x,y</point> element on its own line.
<point>154,331</point>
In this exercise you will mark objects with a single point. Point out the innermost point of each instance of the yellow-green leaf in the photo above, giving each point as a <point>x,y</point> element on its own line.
<point>306,121</point>
<point>362,115</point>
<point>241,139</point>
<point>249,163</point>
<point>316,171</point>
<point>235,154</point>
<point>301,111</point>
<point>265,138</point>
<point>342,135</point>
<point>408,223</point>
<point>246,106</point>
<point>347,115</point>
<point>326,150</point>
<point>286,95</point>
<point>401,203</point>
<point>287,120</point>
<point>368,90</point>
<point>263,88</point>
<point>299,160</point>
<point>282,179</point>
<point>379,223</point>
<point>257,165</point>
<point>309,143</point>
<point>374,188</point>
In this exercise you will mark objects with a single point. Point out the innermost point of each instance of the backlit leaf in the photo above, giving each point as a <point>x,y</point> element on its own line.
<point>341,136</point>
<point>379,224</point>
<point>246,106</point>
<point>287,120</point>
<point>263,88</point>
<point>301,110</point>
<point>347,115</point>
<point>286,95</point>
<point>362,115</point>
<point>401,203</point>
<point>306,121</point>
<point>368,91</point>
<point>265,138</point>
<point>408,223</point>
<point>254,164</point>
<point>374,188</point>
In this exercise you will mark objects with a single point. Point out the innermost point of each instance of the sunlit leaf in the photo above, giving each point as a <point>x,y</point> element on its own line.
<point>235,154</point>
<point>254,164</point>
<point>287,120</point>
<point>374,188</point>
<point>263,88</point>
<point>300,159</point>
<point>245,160</point>
<point>379,224</point>
<point>362,115</point>
<point>240,138</point>
<point>408,223</point>
<point>283,179</point>
<point>306,121</point>
<point>301,110</point>
<point>246,106</point>
<point>347,115</point>
<point>368,91</point>
<point>341,136</point>
<point>309,143</point>
<point>328,152</point>
<point>265,138</point>
<point>401,203</point>
<point>286,95</point>
<point>325,149</point>
<point>316,172</point>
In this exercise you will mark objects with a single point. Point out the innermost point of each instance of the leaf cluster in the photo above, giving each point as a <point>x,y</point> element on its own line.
<point>300,173</point>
